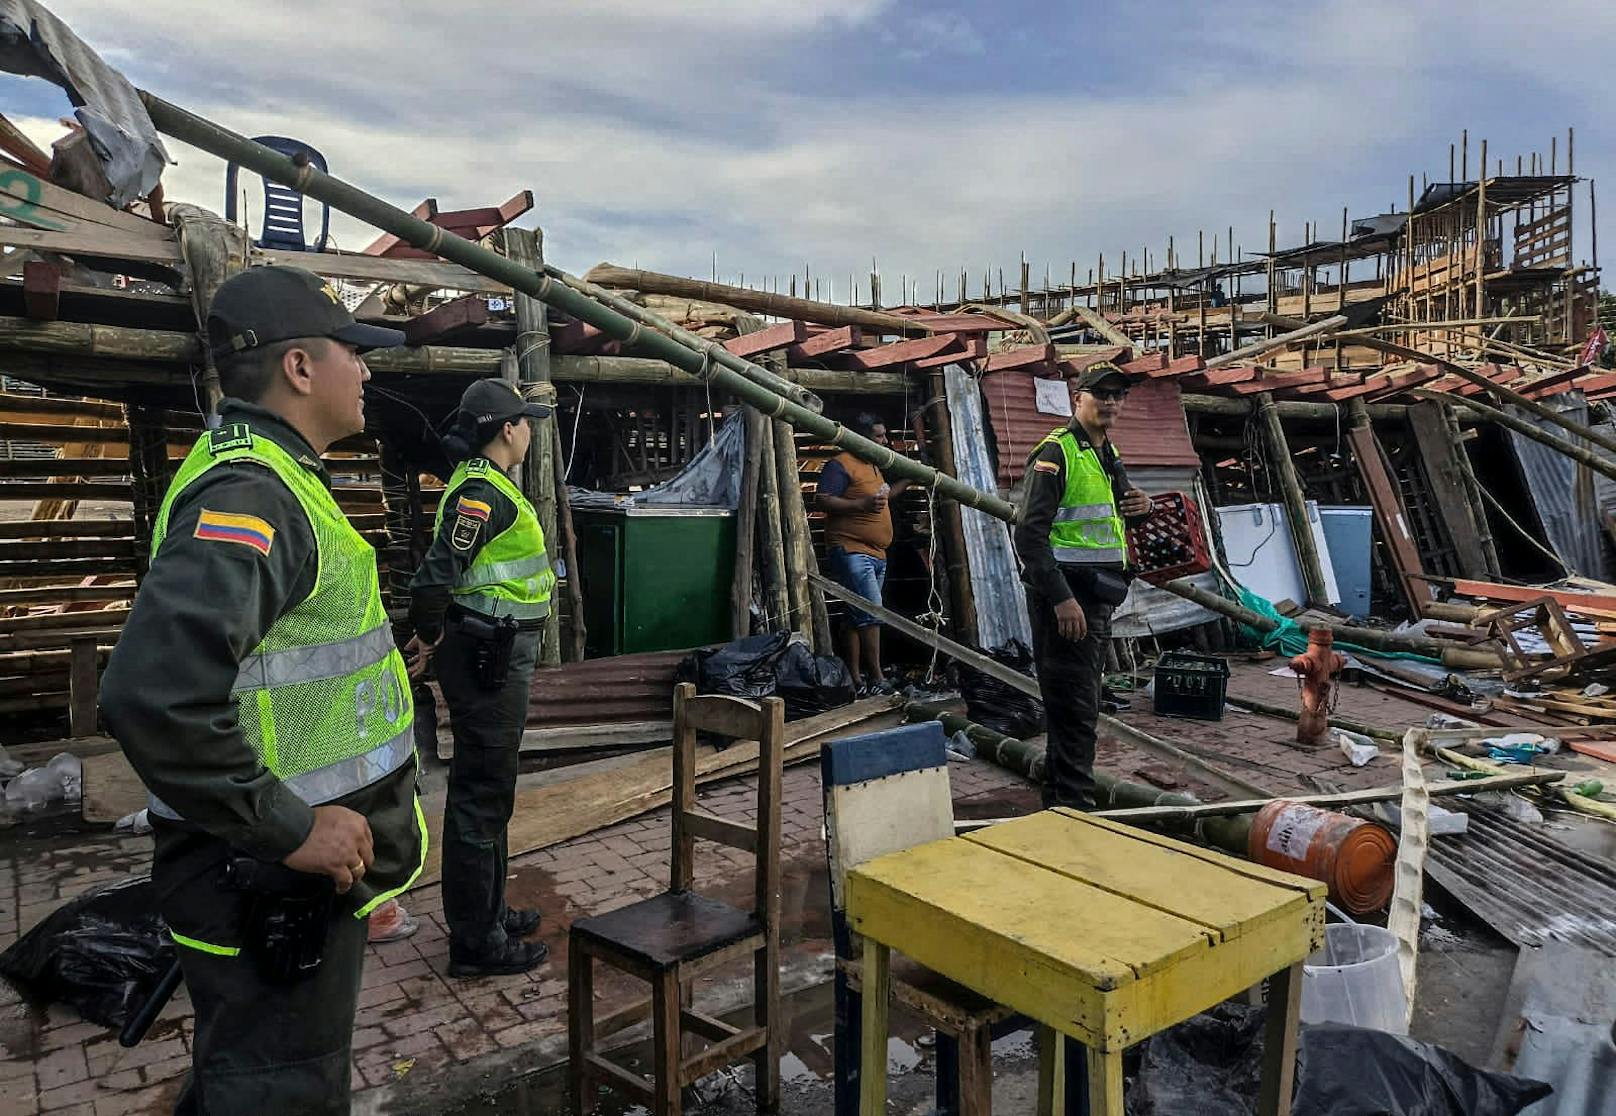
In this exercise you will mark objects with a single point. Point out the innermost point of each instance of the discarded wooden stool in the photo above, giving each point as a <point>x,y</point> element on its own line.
<point>675,937</point>
<point>1105,933</point>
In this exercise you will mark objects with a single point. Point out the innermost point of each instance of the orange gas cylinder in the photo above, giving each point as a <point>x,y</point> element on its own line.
<point>1355,857</point>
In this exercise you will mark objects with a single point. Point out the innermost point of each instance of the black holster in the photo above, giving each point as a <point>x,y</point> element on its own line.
<point>288,917</point>
<point>1107,587</point>
<point>491,643</point>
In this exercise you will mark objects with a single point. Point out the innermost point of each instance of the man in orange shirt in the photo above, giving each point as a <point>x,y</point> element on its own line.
<point>857,533</point>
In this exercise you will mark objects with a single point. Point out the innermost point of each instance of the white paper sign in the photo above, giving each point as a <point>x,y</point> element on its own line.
<point>1054,398</point>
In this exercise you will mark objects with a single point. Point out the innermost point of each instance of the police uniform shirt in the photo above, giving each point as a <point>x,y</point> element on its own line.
<point>1045,485</point>
<point>480,512</point>
<point>211,595</point>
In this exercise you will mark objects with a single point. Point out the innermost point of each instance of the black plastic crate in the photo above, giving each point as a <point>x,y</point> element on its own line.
<point>1191,686</point>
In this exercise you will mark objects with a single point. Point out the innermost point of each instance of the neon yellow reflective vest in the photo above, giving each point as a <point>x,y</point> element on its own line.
<point>1088,529</point>
<point>324,699</point>
<point>511,575</point>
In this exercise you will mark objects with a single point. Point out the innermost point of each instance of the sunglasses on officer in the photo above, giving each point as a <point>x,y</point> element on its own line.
<point>1109,395</point>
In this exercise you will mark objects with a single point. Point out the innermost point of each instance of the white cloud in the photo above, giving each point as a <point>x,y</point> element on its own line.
<point>656,133</point>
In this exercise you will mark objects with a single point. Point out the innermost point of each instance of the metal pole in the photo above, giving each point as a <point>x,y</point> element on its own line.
<point>617,317</point>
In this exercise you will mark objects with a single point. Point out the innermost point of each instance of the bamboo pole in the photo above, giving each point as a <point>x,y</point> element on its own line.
<point>794,532</point>
<point>1463,658</point>
<point>775,591</point>
<point>1594,461</point>
<point>1501,392</point>
<point>1234,407</point>
<point>746,527</point>
<point>1269,344</point>
<point>569,543</point>
<point>1290,487</point>
<point>757,302</point>
<point>532,357</point>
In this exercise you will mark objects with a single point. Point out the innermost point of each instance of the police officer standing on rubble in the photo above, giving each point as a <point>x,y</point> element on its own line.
<point>258,693</point>
<point>1071,540</point>
<point>478,605</point>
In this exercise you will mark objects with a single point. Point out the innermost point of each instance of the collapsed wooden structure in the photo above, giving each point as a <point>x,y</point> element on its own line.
<point>1354,390</point>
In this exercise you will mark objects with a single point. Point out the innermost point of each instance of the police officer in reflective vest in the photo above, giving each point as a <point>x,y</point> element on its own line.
<point>258,693</point>
<point>1074,556</point>
<point>478,604</point>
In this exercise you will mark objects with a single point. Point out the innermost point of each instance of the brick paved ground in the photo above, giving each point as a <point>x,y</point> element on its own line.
<point>413,1019</point>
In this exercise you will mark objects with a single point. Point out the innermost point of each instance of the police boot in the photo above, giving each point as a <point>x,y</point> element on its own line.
<point>511,957</point>
<point>519,924</point>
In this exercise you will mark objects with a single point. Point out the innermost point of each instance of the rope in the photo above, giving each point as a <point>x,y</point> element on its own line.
<point>1499,508</point>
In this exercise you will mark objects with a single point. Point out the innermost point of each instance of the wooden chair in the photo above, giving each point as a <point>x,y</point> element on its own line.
<point>672,939</point>
<point>884,792</point>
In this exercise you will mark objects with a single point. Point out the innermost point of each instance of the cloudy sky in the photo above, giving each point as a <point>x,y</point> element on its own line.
<point>784,134</point>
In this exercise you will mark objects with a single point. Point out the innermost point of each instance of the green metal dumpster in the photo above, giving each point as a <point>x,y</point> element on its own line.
<point>655,578</point>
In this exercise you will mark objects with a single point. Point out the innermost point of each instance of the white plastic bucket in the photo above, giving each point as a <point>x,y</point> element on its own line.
<point>1355,979</point>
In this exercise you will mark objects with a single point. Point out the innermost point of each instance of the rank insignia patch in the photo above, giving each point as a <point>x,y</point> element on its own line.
<point>248,530</point>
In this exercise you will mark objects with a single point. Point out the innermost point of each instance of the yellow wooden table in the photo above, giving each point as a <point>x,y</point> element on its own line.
<point>1106,933</point>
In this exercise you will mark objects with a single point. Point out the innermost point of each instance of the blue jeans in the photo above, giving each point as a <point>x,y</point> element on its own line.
<point>864,574</point>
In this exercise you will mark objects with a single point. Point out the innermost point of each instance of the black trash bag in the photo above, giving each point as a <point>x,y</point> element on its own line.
<point>1211,1065</point>
<point>101,954</point>
<point>765,665</point>
<point>1354,1071</point>
<point>811,683</point>
<point>741,668</point>
<point>998,706</point>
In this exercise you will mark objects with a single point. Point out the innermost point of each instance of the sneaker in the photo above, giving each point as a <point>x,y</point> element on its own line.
<point>882,688</point>
<point>514,957</point>
<point>519,924</point>
<point>390,922</point>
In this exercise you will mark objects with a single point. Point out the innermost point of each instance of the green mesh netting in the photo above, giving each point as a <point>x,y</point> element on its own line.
<point>1291,639</point>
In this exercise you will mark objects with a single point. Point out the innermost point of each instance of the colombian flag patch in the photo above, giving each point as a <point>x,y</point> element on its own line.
<point>248,530</point>
<point>477,509</point>
<point>1045,467</point>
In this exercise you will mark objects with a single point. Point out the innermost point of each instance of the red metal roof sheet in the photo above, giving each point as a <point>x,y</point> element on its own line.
<point>1151,430</point>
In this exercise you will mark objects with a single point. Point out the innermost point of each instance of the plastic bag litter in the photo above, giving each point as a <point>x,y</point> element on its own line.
<point>100,954</point>
<point>60,780</point>
<point>765,665</point>
<point>1001,707</point>
<point>960,744</point>
<point>1358,749</point>
<point>1211,1065</point>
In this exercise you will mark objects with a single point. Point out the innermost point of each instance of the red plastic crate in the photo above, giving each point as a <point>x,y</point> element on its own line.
<point>1171,542</point>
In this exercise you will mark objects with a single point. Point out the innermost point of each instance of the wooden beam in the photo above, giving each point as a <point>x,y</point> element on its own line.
<point>901,352</point>
<point>42,289</point>
<point>757,302</point>
<point>768,340</point>
<point>446,321</point>
<point>1390,515</point>
<point>829,341</point>
<point>1269,344</point>
<point>1290,487</point>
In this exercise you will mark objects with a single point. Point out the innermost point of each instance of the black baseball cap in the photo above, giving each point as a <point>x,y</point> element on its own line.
<point>487,402</point>
<point>263,305</point>
<point>1100,372</point>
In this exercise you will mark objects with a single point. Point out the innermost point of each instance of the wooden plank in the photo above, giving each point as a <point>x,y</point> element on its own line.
<point>1183,366</point>
<point>84,683</point>
<point>1591,604</point>
<point>902,352</point>
<point>824,342</point>
<point>1221,377</point>
<point>973,348</point>
<point>32,200</point>
<point>1278,381</point>
<point>767,340</point>
<point>447,321</point>
<point>1440,456</point>
<point>435,274</point>
<point>41,289</point>
<point>1120,863</point>
<point>1390,516</point>
<point>1024,357</point>
<point>424,210</point>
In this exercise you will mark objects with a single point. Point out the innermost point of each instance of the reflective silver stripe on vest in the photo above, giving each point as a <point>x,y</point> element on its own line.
<point>297,665</point>
<point>334,781</point>
<point>496,572</point>
<point>1089,556</point>
<point>1085,511</point>
<point>490,605</point>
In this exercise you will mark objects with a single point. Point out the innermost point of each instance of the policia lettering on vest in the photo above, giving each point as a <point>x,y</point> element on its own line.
<point>258,693</point>
<point>1071,539</point>
<point>478,604</point>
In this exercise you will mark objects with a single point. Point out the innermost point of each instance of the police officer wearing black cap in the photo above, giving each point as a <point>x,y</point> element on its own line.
<point>257,691</point>
<point>478,605</point>
<point>1071,539</point>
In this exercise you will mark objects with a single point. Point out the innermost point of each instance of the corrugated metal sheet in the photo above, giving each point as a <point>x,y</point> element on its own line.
<point>1525,884</point>
<point>1560,1033</point>
<point>1563,491</point>
<point>618,689</point>
<point>1150,431</point>
<point>1001,603</point>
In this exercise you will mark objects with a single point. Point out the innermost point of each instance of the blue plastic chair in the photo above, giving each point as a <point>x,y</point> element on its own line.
<point>283,206</point>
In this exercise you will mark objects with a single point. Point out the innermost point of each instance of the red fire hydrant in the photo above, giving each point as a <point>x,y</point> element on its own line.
<point>1316,671</point>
